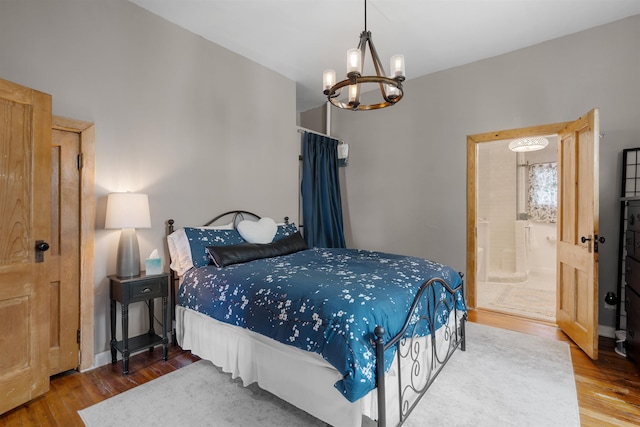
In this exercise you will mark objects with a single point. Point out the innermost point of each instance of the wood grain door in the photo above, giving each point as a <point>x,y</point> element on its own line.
<point>64,265</point>
<point>578,230</point>
<point>25,171</point>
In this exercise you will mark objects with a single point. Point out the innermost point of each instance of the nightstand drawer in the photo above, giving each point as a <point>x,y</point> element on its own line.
<point>146,290</point>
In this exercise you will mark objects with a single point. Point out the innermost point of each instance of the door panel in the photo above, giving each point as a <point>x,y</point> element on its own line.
<point>64,271</point>
<point>578,226</point>
<point>25,138</point>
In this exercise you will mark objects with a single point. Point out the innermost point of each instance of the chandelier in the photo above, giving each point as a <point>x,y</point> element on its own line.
<point>528,144</point>
<point>390,86</point>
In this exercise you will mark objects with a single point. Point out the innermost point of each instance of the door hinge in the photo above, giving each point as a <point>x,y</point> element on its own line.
<point>80,162</point>
<point>78,336</point>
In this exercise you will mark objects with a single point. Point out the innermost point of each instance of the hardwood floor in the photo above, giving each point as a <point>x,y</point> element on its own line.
<point>71,391</point>
<point>608,389</point>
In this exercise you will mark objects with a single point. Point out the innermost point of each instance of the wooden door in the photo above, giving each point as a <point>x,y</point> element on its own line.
<point>64,265</point>
<point>578,230</point>
<point>25,170</point>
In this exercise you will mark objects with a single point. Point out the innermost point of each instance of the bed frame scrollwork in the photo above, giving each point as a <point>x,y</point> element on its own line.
<point>408,344</point>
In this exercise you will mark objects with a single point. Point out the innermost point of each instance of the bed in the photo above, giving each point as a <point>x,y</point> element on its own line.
<point>339,333</point>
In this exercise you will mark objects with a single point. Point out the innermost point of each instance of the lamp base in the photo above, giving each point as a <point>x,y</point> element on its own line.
<point>128,261</point>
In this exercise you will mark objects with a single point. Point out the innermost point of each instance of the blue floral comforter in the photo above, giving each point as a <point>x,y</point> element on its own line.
<point>328,301</point>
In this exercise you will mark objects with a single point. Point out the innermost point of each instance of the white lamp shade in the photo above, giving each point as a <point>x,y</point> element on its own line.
<point>127,210</point>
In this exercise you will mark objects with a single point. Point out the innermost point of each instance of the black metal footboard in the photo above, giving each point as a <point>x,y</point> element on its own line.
<point>413,348</point>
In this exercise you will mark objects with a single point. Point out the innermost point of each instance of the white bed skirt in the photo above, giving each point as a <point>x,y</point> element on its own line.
<point>299,377</point>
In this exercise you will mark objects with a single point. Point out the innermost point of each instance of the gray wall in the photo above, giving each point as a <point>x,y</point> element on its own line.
<point>405,186</point>
<point>194,125</point>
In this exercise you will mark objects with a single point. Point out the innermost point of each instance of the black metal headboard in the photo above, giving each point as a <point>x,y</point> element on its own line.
<point>236,217</point>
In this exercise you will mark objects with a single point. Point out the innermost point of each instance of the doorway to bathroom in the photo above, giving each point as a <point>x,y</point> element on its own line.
<point>516,227</point>
<point>578,227</point>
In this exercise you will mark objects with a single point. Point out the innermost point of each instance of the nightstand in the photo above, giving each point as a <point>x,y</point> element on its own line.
<point>136,289</point>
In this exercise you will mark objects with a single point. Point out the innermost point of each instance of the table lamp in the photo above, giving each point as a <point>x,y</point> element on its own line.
<point>128,211</point>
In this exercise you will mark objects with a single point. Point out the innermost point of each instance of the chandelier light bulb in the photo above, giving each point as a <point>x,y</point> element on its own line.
<point>354,61</point>
<point>397,66</point>
<point>329,79</point>
<point>353,94</point>
<point>392,91</point>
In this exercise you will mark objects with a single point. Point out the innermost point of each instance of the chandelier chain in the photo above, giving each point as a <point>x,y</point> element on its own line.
<point>365,15</point>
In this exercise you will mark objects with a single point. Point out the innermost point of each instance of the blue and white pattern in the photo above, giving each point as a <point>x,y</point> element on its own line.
<point>328,301</point>
<point>285,230</point>
<point>201,237</point>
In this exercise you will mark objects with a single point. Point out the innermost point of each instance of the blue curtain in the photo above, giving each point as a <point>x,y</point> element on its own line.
<point>321,201</point>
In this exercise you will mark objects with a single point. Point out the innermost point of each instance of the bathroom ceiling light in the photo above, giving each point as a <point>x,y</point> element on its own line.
<point>528,144</point>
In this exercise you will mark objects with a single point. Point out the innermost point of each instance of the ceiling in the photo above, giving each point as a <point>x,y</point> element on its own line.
<point>301,38</point>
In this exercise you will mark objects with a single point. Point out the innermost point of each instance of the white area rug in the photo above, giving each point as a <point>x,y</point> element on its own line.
<point>504,378</point>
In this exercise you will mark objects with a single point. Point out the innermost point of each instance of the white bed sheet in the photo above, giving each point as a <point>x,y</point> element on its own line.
<point>299,377</point>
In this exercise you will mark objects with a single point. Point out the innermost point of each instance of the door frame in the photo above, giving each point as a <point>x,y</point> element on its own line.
<point>86,132</point>
<point>472,197</point>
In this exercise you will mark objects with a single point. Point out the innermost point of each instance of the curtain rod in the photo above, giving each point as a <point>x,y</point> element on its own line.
<point>302,130</point>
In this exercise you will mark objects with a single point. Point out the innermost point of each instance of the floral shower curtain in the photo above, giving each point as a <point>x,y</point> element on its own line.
<point>543,192</point>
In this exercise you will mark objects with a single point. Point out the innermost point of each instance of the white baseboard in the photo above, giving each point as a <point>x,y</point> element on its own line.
<point>104,358</point>
<point>607,331</point>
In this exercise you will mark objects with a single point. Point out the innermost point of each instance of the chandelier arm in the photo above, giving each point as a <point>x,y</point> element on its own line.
<point>361,107</point>
<point>364,36</point>
<point>376,59</point>
<point>335,90</point>
<point>377,64</point>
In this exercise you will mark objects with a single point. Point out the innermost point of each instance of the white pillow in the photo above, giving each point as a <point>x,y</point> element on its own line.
<point>180,250</point>
<point>261,231</point>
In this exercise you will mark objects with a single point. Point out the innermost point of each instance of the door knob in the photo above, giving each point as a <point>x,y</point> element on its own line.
<point>596,239</point>
<point>42,246</point>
